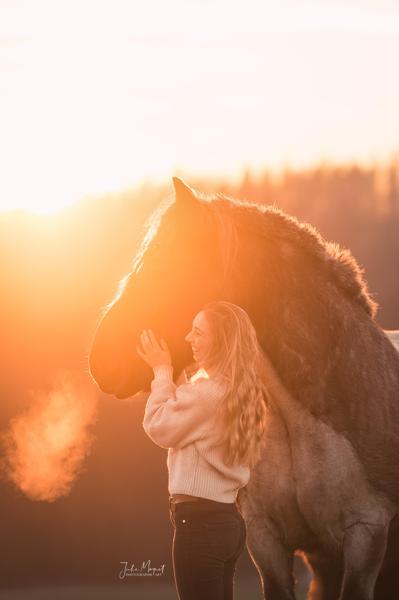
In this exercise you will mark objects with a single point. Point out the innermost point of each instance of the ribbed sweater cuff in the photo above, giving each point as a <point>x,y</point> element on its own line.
<point>163,372</point>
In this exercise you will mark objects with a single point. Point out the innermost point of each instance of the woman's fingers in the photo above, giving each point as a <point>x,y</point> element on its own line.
<point>145,341</point>
<point>149,341</point>
<point>145,336</point>
<point>151,335</point>
<point>150,347</point>
<point>152,338</point>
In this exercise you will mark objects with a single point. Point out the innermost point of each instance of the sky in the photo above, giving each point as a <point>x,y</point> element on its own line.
<point>97,96</point>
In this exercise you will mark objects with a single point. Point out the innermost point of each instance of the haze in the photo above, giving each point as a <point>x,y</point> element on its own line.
<point>97,96</point>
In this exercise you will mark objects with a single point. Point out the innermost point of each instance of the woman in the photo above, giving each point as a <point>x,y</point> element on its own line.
<point>212,427</point>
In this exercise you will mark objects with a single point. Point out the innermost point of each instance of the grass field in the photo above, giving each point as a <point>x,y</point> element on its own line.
<point>245,589</point>
<point>147,591</point>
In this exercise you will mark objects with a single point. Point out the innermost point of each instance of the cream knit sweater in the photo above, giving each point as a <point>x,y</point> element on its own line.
<point>182,420</point>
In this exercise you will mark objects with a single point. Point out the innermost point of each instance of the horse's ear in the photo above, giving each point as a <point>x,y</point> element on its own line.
<point>183,192</point>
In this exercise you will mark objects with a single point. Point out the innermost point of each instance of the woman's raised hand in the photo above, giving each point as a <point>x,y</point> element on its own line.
<point>152,352</point>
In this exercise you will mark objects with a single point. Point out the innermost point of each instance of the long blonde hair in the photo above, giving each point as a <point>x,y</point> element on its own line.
<point>236,357</point>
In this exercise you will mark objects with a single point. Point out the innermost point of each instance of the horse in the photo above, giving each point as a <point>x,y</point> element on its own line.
<point>326,485</point>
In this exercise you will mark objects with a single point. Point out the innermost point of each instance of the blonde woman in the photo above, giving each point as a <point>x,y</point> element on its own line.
<point>212,426</point>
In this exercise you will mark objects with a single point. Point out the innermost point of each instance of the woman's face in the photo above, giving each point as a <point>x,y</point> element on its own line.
<point>200,338</point>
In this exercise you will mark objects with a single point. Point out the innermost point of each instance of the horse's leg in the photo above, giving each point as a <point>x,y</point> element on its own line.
<point>387,585</point>
<point>364,550</point>
<point>273,561</point>
<point>327,577</point>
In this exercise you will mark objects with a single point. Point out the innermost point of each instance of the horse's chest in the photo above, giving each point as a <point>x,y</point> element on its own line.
<point>270,494</point>
<point>332,489</point>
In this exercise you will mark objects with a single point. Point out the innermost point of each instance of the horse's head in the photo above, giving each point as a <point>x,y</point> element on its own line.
<point>181,264</point>
<point>297,288</point>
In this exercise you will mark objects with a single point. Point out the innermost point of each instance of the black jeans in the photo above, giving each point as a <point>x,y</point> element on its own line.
<point>208,539</point>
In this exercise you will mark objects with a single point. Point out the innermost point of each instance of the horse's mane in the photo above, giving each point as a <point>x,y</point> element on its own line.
<point>231,216</point>
<point>336,263</point>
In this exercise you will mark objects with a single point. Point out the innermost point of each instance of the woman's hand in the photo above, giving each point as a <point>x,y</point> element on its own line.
<point>152,352</point>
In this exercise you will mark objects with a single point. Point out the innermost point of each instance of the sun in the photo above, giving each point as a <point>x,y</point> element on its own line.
<point>72,129</point>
